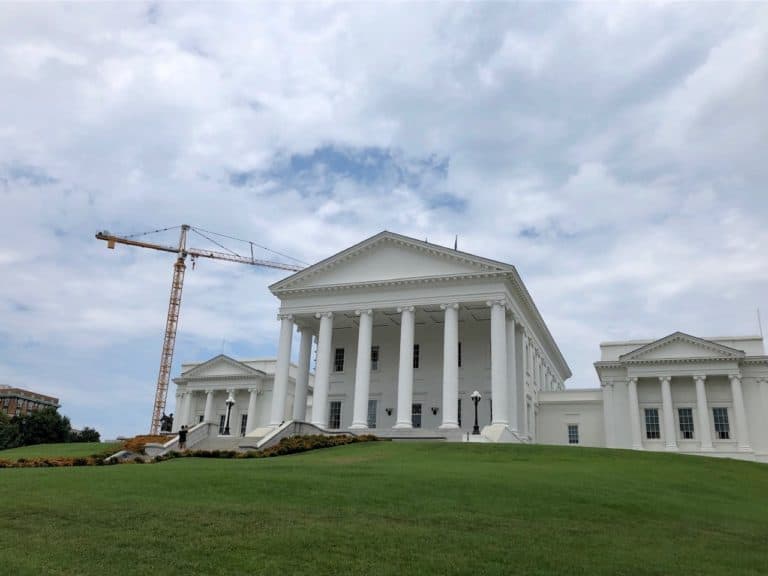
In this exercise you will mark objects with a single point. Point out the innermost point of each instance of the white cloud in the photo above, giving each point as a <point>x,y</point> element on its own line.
<point>612,152</point>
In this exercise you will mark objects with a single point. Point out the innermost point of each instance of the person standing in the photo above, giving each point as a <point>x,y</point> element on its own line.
<point>183,438</point>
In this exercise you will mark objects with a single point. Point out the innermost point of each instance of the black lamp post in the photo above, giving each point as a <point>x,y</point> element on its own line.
<point>230,402</point>
<point>476,399</point>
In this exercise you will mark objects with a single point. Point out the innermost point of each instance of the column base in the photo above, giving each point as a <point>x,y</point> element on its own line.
<point>744,448</point>
<point>358,426</point>
<point>637,447</point>
<point>448,426</point>
<point>671,448</point>
<point>707,448</point>
<point>402,425</point>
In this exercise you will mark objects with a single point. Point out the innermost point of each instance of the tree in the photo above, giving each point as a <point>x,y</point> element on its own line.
<point>9,433</point>
<point>85,435</point>
<point>42,427</point>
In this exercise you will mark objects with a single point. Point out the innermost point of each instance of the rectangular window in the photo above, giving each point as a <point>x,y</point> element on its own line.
<point>374,357</point>
<point>652,430</point>
<point>416,415</point>
<point>222,421</point>
<point>459,412</point>
<point>338,360</point>
<point>416,357</point>
<point>459,354</point>
<point>200,418</point>
<point>685,415</point>
<point>243,423</point>
<point>490,407</point>
<point>573,433</point>
<point>372,405</point>
<point>722,427</point>
<point>334,415</point>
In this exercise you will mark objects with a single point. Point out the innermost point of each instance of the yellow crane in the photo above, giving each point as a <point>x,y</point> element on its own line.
<point>174,305</point>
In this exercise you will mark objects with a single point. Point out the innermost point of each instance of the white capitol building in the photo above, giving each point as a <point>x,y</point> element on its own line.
<point>404,332</point>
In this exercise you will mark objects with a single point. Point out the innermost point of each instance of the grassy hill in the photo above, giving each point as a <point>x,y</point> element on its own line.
<point>392,508</point>
<point>66,450</point>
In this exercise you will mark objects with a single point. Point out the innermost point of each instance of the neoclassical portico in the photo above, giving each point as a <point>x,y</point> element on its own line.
<point>682,393</point>
<point>406,330</point>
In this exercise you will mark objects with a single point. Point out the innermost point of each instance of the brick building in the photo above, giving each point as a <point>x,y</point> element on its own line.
<point>19,402</point>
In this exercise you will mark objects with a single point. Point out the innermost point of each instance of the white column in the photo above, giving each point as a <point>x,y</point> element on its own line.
<point>362,370</point>
<point>190,418</point>
<point>405,371</point>
<point>450,366</point>
<point>177,423</point>
<point>524,384</point>
<point>499,361</point>
<point>302,377</point>
<point>282,368</point>
<point>670,437</point>
<point>608,422</point>
<point>322,372</point>
<point>250,424</point>
<point>208,416</point>
<point>634,414</point>
<point>763,383</point>
<point>705,436</point>
<point>512,382</point>
<point>742,431</point>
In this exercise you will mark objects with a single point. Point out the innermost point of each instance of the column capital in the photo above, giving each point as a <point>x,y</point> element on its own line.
<point>666,379</point>
<point>454,306</point>
<point>497,302</point>
<point>697,377</point>
<point>256,389</point>
<point>736,376</point>
<point>231,390</point>
<point>324,315</point>
<point>632,380</point>
<point>300,328</point>
<point>284,316</point>
<point>401,309</point>
<point>209,390</point>
<point>367,312</point>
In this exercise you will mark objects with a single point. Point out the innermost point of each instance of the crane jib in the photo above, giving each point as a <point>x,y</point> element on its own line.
<point>174,304</point>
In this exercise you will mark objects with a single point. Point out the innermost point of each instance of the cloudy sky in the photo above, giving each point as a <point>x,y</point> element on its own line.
<point>616,154</point>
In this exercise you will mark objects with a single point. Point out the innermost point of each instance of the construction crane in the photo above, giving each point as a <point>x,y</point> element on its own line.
<point>174,305</point>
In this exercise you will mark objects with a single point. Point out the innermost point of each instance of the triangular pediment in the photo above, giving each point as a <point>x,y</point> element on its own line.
<point>679,346</point>
<point>220,366</point>
<point>388,257</point>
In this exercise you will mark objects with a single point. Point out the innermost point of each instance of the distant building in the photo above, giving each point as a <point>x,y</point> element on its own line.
<point>19,402</point>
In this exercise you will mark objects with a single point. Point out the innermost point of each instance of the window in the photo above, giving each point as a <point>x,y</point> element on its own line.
<point>372,404</point>
<point>334,414</point>
<point>200,418</point>
<point>685,415</point>
<point>416,357</point>
<point>374,357</point>
<point>573,433</point>
<point>459,354</point>
<point>338,360</point>
<point>652,430</point>
<point>459,410</point>
<point>416,415</point>
<point>490,408</point>
<point>722,428</point>
<point>222,421</point>
<point>243,423</point>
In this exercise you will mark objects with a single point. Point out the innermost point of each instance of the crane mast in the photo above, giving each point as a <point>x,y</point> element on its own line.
<point>174,304</point>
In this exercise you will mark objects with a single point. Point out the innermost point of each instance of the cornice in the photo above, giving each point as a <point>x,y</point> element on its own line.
<point>416,280</point>
<point>217,377</point>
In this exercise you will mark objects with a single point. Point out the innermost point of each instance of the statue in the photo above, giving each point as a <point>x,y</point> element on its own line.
<point>166,422</point>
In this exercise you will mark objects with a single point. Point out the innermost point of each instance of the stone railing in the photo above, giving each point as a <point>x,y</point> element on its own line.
<point>195,435</point>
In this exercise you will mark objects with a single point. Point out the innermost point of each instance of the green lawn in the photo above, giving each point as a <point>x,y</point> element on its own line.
<point>68,450</point>
<point>392,508</point>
